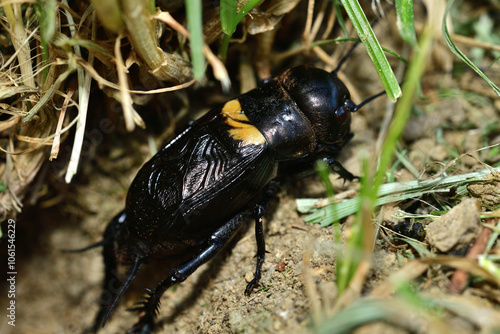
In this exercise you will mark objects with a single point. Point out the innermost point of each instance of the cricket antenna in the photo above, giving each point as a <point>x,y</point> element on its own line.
<point>371,98</point>
<point>343,60</point>
<point>84,249</point>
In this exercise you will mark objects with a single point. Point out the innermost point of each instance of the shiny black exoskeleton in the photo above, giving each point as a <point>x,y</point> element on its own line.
<point>194,194</point>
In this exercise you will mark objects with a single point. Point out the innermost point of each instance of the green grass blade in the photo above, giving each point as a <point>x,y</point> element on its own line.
<point>373,48</point>
<point>46,13</point>
<point>361,230</point>
<point>360,242</point>
<point>234,22</point>
<point>324,171</point>
<point>340,18</point>
<point>388,193</point>
<point>195,27</point>
<point>402,113</point>
<point>405,21</point>
<point>228,10</point>
<point>460,54</point>
<point>359,313</point>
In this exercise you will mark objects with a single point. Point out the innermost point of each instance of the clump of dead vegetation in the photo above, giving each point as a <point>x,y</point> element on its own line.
<point>52,52</point>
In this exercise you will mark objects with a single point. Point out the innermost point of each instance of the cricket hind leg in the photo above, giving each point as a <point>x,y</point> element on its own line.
<point>149,304</point>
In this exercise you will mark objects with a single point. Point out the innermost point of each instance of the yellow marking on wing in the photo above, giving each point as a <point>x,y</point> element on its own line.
<point>240,126</point>
<point>249,135</point>
<point>232,109</point>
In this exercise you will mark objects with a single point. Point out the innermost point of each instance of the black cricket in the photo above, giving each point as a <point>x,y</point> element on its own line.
<point>194,194</point>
